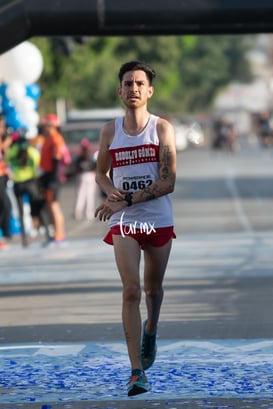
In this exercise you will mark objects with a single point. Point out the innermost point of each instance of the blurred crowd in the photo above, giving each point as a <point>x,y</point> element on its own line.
<point>263,123</point>
<point>224,135</point>
<point>31,174</point>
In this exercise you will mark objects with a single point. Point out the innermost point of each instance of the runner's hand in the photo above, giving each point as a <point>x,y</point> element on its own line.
<point>108,208</point>
<point>116,195</point>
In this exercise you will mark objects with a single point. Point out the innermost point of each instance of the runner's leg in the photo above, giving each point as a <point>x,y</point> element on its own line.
<point>127,254</point>
<point>155,263</point>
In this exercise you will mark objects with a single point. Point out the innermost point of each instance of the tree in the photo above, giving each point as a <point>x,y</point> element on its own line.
<point>209,64</point>
<point>191,69</point>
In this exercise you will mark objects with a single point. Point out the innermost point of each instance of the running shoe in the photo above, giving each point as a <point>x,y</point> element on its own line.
<point>148,349</point>
<point>138,383</point>
<point>48,242</point>
<point>60,242</point>
<point>51,243</point>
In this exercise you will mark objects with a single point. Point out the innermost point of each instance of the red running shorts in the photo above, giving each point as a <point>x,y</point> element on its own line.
<point>156,238</point>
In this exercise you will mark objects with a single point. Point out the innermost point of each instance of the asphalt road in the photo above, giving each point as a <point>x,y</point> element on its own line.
<point>224,226</point>
<point>218,285</point>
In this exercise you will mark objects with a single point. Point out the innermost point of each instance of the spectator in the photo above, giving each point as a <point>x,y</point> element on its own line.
<point>38,140</point>
<point>24,161</point>
<point>225,136</point>
<point>5,211</point>
<point>264,129</point>
<point>5,204</point>
<point>86,185</point>
<point>51,155</point>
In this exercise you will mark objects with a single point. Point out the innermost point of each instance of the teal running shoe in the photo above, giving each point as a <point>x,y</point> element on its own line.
<point>138,383</point>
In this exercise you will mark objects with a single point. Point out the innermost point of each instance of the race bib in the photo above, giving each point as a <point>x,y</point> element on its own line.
<point>134,183</point>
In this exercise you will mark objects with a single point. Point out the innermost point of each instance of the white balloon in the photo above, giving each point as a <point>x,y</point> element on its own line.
<point>22,63</point>
<point>1,70</point>
<point>32,132</point>
<point>25,104</point>
<point>30,118</point>
<point>16,91</point>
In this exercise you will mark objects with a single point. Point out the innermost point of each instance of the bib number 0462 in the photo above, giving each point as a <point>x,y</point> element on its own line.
<point>136,184</point>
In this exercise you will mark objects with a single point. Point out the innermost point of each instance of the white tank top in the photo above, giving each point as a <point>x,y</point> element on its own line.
<point>135,164</point>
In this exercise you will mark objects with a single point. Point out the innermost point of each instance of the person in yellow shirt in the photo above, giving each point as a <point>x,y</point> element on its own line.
<point>24,161</point>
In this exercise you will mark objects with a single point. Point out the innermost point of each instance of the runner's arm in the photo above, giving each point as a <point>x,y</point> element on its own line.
<point>104,163</point>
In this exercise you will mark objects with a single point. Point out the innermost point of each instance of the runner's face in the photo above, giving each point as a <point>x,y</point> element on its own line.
<point>135,89</point>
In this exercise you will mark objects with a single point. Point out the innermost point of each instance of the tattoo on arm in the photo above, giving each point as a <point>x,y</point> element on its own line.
<point>165,163</point>
<point>151,192</point>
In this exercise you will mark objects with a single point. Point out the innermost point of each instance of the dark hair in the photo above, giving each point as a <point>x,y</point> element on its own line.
<point>137,65</point>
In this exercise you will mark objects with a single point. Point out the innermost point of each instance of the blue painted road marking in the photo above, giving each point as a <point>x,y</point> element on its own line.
<point>99,371</point>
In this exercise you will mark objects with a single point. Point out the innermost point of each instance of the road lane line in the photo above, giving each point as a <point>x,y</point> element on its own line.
<point>235,194</point>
